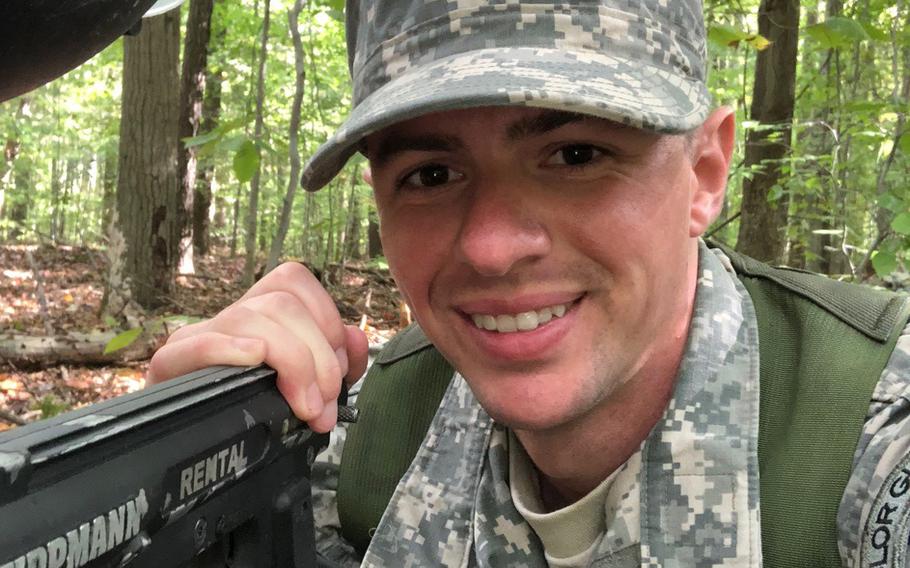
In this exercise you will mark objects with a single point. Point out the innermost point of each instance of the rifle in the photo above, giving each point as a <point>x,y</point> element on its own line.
<point>211,469</point>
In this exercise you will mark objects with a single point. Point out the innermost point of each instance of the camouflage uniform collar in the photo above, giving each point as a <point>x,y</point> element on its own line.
<point>699,485</point>
<point>429,520</point>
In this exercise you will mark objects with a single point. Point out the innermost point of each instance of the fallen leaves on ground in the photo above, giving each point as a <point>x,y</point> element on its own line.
<point>72,278</point>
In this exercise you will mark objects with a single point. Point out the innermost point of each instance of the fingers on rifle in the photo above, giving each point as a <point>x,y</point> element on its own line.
<point>358,352</point>
<point>299,354</point>
<point>300,328</point>
<point>294,278</point>
<point>326,421</point>
<point>203,350</point>
<point>188,331</point>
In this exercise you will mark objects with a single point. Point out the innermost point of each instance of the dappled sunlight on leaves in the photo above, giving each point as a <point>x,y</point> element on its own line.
<point>73,284</point>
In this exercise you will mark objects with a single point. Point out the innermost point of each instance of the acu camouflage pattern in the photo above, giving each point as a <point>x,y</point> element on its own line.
<point>641,63</point>
<point>698,482</point>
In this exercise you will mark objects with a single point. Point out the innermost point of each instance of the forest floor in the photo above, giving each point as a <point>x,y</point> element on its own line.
<point>73,285</point>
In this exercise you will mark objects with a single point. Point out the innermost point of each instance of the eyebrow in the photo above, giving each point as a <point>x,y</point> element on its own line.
<point>545,122</point>
<point>394,145</point>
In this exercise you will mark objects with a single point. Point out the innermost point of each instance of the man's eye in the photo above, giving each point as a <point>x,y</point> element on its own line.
<point>431,176</point>
<point>575,155</point>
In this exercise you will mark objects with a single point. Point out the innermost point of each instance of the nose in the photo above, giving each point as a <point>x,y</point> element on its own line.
<point>501,228</point>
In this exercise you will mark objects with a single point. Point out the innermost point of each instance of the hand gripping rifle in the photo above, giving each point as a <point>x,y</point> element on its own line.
<point>211,469</point>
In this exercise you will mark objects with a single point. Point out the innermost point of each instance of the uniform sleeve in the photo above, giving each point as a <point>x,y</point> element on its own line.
<point>874,514</point>
<point>332,550</point>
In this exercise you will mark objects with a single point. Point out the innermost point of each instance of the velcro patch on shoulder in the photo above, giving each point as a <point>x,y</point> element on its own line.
<point>885,538</point>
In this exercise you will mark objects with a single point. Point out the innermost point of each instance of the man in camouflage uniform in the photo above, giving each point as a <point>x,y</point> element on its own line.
<point>543,174</point>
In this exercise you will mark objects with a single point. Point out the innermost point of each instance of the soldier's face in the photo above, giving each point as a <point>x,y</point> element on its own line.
<point>550,257</point>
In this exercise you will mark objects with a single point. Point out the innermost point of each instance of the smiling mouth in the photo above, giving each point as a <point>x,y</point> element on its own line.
<point>524,321</point>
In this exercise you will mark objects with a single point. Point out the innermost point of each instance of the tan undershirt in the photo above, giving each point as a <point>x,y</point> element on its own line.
<point>571,535</point>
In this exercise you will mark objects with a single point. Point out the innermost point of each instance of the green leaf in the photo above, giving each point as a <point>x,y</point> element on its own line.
<point>837,32</point>
<point>337,15</point>
<point>122,340</point>
<point>890,202</point>
<point>865,106</point>
<point>905,143</point>
<point>901,224</point>
<point>777,191</point>
<point>246,161</point>
<point>234,143</point>
<point>110,321</point>
<point>758,42</point>
<point>193,141</point>
<point>884,263</point>
<point>724,35</point>
<point>336,5</point>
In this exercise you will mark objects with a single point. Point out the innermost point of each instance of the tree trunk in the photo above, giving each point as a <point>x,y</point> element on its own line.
<point>353,237</point>
<point>762,231</point>
<point>147,184</point>
<point>56,183</point>
<point>20,202</point>
<point>211,115</point>
<point>10,206</point>
<point>109,183</point>
<point>293,139</point>
<point>192,90</point>
<point>69,188</point>
<point>249,267</point>
<point>374,243</point>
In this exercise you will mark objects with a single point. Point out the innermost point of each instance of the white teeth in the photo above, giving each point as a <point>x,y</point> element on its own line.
<point>505,324</point>
<point>525,321</point>
<point>545,315</point>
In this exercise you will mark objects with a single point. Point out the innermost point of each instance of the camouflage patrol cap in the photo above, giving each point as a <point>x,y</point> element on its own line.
<point>638,62</point>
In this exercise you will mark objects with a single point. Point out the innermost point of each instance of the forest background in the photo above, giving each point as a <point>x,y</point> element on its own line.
<point>152,185</point>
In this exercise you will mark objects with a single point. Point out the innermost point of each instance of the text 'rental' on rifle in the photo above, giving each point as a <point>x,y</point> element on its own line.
<point>210,469</point>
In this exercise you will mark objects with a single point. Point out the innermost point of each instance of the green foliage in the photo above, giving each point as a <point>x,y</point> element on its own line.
<point>884,263</point>
<point>837,32</point>
<point>379,262</point>
<point>845,178</point>
<point>725,35</point>
<point>49,406</point>
<point>901,224</point>
<point>122,340</point>
<point>246,161</point>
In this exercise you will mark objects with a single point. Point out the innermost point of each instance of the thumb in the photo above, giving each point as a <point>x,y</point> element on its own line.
<point>357,347</point>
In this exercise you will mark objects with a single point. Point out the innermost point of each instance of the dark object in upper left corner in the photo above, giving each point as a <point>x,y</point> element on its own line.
<point>41,40</point>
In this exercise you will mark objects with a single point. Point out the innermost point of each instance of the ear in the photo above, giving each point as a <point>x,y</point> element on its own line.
<point>368,176</point>
<point>712,148</point>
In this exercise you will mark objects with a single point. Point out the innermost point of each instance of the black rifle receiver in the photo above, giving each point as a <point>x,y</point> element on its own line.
<point>210,469</point>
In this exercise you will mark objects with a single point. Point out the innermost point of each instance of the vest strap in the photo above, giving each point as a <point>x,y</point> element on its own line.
<point>823,345</point>
<point>397,401</point>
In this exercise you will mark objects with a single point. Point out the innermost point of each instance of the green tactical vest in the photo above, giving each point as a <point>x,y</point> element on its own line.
<point>822,345</point>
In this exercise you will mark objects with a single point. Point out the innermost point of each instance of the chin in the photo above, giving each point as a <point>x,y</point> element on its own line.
<point>528,416</point>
